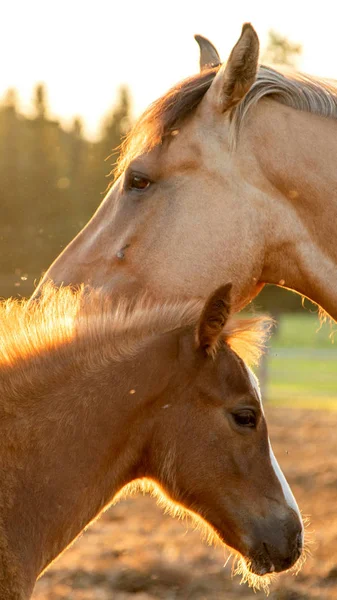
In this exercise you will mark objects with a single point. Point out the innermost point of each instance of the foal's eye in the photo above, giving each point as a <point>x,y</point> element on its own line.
<point>245,418</point>
<point>138,182</point>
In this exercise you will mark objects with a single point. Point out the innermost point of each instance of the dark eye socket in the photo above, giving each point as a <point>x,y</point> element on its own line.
<point>138,182</point>
<point>245,418</point>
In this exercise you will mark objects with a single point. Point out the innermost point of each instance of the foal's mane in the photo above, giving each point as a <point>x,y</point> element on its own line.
<point>103,329</point>
<point>164,116</point>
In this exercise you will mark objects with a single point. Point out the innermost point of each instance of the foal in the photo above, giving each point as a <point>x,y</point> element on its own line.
<point>93,397</point>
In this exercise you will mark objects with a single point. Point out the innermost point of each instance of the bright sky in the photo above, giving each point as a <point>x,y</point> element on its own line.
<point>85,49</point>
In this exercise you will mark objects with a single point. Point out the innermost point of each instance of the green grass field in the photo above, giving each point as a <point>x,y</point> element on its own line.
<point>302,363</point>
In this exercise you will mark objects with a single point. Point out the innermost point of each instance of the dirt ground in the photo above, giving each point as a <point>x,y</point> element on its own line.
<point>135,551</point>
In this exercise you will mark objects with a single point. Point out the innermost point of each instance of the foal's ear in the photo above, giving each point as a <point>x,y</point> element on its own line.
<point>213,319</point>
<point>236,77</point>
<point>209,56</point>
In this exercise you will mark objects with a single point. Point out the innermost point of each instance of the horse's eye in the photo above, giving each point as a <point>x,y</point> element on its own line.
<point>245,418</point>
<point>138,182</point>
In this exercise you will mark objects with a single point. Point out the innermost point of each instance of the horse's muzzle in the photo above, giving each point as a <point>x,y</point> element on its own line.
<point>279,546</point>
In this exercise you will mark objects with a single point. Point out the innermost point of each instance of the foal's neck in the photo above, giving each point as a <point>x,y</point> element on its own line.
<point>69,445</point>
<point>297,152</point>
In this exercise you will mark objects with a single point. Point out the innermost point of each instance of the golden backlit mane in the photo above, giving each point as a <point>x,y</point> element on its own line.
<point>247,337</point>
<point>60,316</point>
<point>166,114</point>
<point>27,328</point>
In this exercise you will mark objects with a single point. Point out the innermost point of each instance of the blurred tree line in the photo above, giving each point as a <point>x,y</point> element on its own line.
<point>51,182</point>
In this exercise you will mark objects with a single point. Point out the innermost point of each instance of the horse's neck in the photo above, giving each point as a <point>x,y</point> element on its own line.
<point>64,452</point>
<point>298,154</point>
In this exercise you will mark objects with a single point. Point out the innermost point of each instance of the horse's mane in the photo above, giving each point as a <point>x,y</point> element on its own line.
<point>165,115</point>
<point>35,330</point>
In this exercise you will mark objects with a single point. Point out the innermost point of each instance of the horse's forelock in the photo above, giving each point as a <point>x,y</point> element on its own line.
<point>163,116</point>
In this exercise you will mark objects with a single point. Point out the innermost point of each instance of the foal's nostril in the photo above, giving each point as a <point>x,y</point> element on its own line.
<point>298,547</point>
<point>299,542</point>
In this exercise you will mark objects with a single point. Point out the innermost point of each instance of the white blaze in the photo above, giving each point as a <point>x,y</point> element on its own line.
<point>288,495</point>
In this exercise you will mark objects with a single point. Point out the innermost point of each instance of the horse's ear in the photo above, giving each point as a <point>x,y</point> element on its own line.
<point>236,77</point>
<point>209,56</point>
<point>213,319</point>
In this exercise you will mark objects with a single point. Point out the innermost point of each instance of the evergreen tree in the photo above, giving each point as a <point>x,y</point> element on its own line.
<point>115,127</point>
<point>51,182</point>
<point>281,51</point>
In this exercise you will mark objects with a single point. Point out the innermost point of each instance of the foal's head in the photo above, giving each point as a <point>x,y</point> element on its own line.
<point>211,454</point>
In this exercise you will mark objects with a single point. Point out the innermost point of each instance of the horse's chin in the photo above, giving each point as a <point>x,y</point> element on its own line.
<point>261,563</point>
<point>260,566</point>
<point>258,574</point>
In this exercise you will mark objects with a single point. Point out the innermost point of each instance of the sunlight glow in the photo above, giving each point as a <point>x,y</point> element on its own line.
<point>240,566</point>
<point>84,51</point>
<point>177,511</point>
<point>27,328</point>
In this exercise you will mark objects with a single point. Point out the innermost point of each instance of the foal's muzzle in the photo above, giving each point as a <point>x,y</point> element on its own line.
<point>279,545</point>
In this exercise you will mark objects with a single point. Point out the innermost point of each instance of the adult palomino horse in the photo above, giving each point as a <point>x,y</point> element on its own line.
<point>230,176</point>
<point>81,416</point>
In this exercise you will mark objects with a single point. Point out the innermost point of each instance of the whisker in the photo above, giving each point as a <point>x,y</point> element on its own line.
<point>227,560</point>
<point>241,567</point>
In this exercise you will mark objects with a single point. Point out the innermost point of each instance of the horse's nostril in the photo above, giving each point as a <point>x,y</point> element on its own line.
<point>298,546</point>
<point>299,541</point>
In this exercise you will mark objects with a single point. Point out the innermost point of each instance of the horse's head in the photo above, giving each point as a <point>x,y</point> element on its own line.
<point>186,211</point>
<point>210,450</point>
